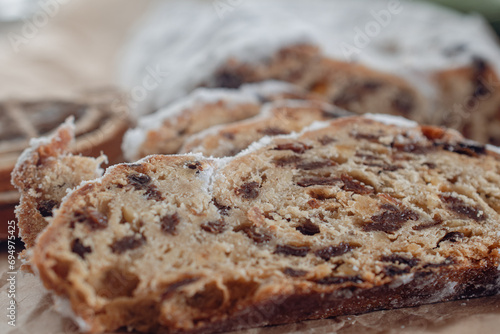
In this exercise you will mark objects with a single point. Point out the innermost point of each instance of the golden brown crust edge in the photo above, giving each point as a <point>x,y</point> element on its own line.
<point>429,287</point>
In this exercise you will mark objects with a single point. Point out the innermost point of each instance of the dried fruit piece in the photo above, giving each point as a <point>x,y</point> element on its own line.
<point>464,210</point>
<point>45,207</point>
<point>139,181</point>
<point>297,147</point>
<point>327,253</point>
<point>294,272</point>
<point>169,223</point>
<point>451,237</point>
<point>399,259</point>
<point>390,220</point>
<point>80,249</point>
<point>223,210</point>
<point>339,280</point>
<point>318,181</point>
<point>248,190</point>
<point>127,243</point>
<point>258,235</point>
<point>292,250</point>
<point>315,164</point>
<point>92,218</point>
<point>308,228</point>
<point>215,227</point>
<point>272,131</point>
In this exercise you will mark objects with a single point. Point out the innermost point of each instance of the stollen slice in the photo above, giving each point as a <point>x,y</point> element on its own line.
<point>350,216</point>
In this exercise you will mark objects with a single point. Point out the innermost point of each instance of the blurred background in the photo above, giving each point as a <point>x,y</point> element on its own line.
<point>488,8</point>
<point>57,46</point>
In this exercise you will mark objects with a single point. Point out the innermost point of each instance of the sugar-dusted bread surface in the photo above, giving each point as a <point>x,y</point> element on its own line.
<point>165,131</point>
<point>278,118</point>
<point>347,217</point>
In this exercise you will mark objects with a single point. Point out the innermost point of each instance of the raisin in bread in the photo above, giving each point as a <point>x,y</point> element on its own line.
<point>278,118</point>
<point>350,216</point>
<point>165,131</point>
<point>365,56</point>
<point>44,173</point>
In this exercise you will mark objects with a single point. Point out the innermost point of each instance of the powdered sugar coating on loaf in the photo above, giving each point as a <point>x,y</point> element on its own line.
<point>278,117</point>
<point>35,143</point>
<point>318,125</point>
<point>254,30</point>
<point>227,100</point>
<point>391,120</point>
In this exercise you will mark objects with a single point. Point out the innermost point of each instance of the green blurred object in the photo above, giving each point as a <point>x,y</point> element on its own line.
<point>488,8</point>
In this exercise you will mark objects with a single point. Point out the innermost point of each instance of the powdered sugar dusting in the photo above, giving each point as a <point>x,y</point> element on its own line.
<point>267,88</point>
<point>199,97</point>
<point>132,142</point>
<point>317,125</point>
<point>35,143</point>
<point>391,120</point>
<point>264,141</point>
<point>494,149</point>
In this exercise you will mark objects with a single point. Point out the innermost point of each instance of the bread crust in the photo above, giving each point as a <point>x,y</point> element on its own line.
<point>478,281</point>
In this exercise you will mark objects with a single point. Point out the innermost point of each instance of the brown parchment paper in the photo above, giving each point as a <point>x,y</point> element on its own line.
<point>36,314</point>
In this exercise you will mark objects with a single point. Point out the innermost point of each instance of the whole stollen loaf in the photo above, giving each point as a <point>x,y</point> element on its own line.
<point>350,216</point>
<point>364,56</point>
